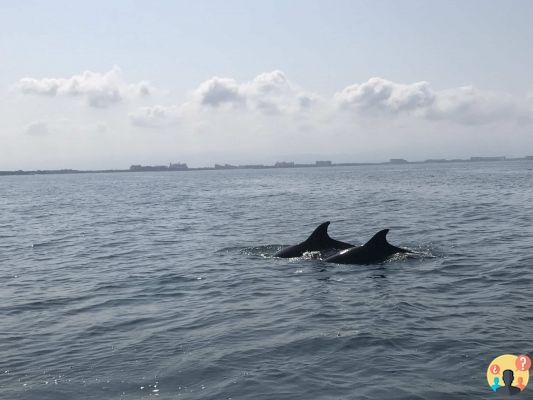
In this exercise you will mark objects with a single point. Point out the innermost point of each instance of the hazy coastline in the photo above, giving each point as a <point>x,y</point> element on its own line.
<point>280,164</point>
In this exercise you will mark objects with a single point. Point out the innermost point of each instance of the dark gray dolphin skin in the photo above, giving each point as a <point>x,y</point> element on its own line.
<point>318,241</point>
<point>375,250</point>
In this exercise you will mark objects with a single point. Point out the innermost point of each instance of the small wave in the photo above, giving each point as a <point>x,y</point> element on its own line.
<point>164,242</point>
<point>312,255</point>
<point>266,251</point>
<point>118,255</point>
<point>422,253</point>
<point>233,249</point>
<point>41,244</point>
<point>41,305</point>
<point>174,278</point>
<point>414,255</point>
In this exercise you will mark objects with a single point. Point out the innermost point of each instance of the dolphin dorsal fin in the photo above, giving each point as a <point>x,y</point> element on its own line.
<point>320,233</point>
<point>378,240</point>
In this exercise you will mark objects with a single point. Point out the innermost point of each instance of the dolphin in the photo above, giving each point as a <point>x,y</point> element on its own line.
<point>375,250</point>
<point>318,241</point>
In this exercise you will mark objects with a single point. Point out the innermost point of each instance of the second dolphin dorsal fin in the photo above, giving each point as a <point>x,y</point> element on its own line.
<point>320,233</point>
<point>379,240</point>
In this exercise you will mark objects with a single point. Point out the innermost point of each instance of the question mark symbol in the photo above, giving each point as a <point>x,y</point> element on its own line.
<point>523,363</point>
<point>495,369</point>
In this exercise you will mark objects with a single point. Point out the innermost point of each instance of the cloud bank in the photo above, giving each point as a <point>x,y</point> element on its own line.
<point>268,94</point>
<point>265,118</point>
<point>156,116</point>
<point>381,95</point>
<point>271,113</point>
<point>100,90</point>
<point>463,105</point>
<point>271,94</point>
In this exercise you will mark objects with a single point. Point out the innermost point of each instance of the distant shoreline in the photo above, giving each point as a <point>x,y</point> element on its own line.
<point>279,165</point>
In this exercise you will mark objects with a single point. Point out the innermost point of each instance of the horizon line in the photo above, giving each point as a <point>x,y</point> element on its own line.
<point>173,167</point>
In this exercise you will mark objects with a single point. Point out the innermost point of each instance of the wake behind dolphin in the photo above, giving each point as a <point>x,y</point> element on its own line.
<point>319,240</point>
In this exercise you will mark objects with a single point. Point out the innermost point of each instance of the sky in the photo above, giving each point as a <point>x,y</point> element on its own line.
<point>97,85</point>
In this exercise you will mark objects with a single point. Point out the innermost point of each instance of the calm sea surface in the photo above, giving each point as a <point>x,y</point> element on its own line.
<point>132,286</point>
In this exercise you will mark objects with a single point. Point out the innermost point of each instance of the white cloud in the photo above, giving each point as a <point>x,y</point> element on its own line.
<point>156,116</point>
<point>468,105</point>
<point>378,94</point>
<point>99,89</point>
<point>38,128</point>
<point>464,105</point>
<point>273,96</point>
<point>268,93</point>
<point>219,91</point>
<point>272,93</point>
<point>273,83</point>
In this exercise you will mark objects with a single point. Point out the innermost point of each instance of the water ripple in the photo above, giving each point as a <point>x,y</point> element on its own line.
<point>139,286</point>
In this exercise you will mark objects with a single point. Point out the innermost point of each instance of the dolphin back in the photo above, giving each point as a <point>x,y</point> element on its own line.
<point>377,249</point>
<point>379,242</point>
<point>317,241</point>
<point>320,234</point>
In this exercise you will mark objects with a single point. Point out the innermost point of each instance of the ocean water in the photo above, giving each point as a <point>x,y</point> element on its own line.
<point>163,285</point>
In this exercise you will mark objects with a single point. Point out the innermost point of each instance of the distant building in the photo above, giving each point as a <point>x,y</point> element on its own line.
<point>323,163</point>
<point>284,164</point>
<point>252,166</point>
<point>398,161</point>
<point>178,167</point>
<point>225,166</point>
<point>170,167</point>
<point>142,168</point>
<point>349,164</point>
<point>436,160</point>
<point>498,158</point>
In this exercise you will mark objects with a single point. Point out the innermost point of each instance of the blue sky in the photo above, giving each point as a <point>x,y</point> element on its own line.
<point>321,53</point>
